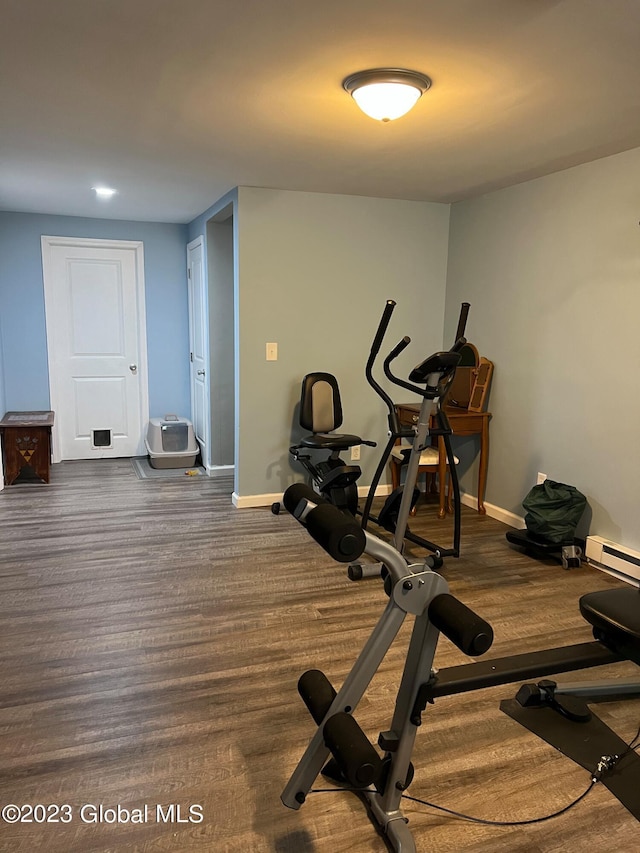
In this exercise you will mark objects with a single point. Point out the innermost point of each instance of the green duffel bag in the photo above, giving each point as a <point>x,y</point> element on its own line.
<point>553,511</point>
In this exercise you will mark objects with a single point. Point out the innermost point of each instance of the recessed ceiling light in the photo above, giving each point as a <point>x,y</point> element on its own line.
<point>104,192</point>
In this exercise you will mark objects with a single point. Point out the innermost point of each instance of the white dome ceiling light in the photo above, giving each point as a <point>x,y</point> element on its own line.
<point>386,93</point>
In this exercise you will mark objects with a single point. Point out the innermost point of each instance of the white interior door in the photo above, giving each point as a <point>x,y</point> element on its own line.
<point>94,302</point>
<point>198,345</point>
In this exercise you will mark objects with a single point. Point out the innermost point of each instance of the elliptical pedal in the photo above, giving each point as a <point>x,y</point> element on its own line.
<point>388,517</point>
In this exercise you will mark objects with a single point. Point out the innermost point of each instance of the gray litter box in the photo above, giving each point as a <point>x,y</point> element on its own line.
<point>171,442</point>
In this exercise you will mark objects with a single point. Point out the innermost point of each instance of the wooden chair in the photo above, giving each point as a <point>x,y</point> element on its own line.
<point>433,461</point>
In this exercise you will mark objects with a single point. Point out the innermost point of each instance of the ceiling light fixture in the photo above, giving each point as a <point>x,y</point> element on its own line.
<point>104,192</point>
<point>386,93</point>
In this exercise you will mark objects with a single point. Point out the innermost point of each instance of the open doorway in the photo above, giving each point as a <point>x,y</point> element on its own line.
<point>220,266</point>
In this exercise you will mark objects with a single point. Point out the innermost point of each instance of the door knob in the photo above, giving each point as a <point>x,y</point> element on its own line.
<point>200,372</point>
<point>133,368</point>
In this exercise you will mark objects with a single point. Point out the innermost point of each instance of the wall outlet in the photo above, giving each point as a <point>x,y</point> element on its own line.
<point>355,453</point>
<point>541,478</point>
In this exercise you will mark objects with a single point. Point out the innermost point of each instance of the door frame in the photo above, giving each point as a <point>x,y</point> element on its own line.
<point>137,246</point>
<point>194,244</point>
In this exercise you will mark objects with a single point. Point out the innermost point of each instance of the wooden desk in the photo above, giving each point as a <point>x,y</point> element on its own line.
<point>26,440</point>
<point>462,422</point>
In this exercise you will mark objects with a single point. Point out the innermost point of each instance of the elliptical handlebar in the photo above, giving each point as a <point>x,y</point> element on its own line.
<point>459,342</point>
<point>386,366</point>
<point>398,348</point>
<point>462,322</point>
<point>381,331</point>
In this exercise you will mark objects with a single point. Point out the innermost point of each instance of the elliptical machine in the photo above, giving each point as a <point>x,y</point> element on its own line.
<point>435,373</point>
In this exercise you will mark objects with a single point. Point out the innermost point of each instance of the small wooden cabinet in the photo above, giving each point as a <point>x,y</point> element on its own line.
<point>26,440</point>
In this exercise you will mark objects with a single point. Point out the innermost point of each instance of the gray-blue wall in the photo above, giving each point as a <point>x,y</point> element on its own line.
<point>314,272</point>
<point>24,380</point>
<point>551,270</point>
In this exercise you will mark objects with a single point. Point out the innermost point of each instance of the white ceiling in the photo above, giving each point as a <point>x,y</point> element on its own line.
<point>175,102</point>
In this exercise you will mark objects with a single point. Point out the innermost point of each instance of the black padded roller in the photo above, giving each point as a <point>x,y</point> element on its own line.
<point>317,693</point>
<point>354,754</point>
<point>298,492</point>
<point>468,631</point>
<point>338,533</point>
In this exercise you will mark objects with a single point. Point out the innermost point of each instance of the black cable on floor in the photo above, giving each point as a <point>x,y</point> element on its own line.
<point>605,764</point>
<point>503,822</point>
<point>464,816</point>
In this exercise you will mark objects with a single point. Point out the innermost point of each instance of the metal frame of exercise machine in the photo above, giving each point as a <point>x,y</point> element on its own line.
<point>430,380</point>
<point>336,481</point>
<point>418,591</point>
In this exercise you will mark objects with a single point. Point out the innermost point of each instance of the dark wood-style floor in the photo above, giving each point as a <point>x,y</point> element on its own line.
<point>151,641</point>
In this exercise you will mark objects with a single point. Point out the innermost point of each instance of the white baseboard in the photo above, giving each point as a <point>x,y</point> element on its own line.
<point>493,511</point>
<point>381,491</point>
<point>247,501</point>
<point>220,470</point>
<point>242,502</point>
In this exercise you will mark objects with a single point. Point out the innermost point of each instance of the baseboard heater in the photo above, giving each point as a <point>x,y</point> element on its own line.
<point>617,560</point>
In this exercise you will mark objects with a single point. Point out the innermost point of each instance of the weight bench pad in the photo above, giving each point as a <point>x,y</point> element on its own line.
<point>616,613</point>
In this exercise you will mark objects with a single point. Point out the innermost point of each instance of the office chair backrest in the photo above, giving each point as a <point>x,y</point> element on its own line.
<point>320,405</point>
